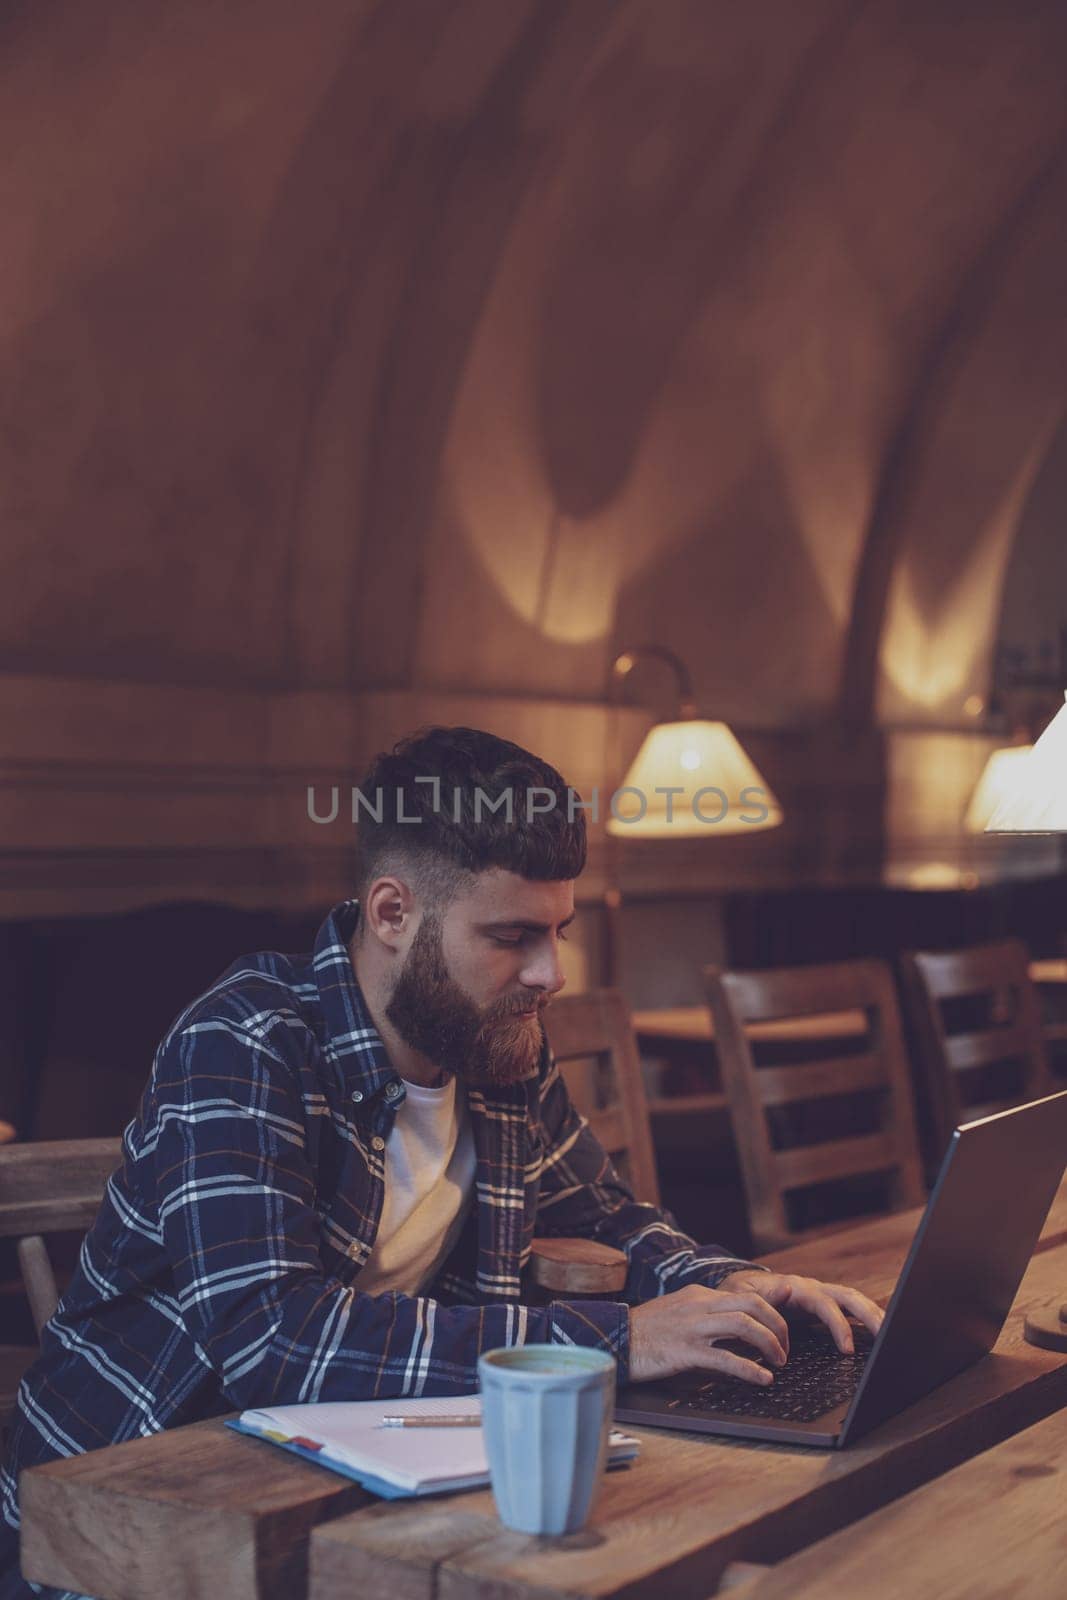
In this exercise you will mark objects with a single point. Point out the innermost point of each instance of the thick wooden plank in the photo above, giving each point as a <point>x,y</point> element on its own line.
<point>224,1514</point>
<point>692,1504</point>
<point>198,1511</point>
<point>932,1542</point>
<point>393,1549</point>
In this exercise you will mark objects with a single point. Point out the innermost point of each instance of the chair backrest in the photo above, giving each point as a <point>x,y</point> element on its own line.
<point>592,1039</point>
<point>976,1019</point>
<point>796,1120</point>
<point>54,1186</point>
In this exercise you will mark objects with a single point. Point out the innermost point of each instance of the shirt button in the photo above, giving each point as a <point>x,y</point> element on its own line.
<point>392,1090</point>
<point>377,1143</point>
<point>357,1095</point>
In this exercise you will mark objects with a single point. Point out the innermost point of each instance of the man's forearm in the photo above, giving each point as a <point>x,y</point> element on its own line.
<point>318,1340</point>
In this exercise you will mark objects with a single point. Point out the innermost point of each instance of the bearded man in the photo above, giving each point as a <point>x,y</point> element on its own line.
<point>340,1159</point>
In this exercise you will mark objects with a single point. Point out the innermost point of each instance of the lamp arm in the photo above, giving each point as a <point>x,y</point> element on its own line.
<point>625,662</point>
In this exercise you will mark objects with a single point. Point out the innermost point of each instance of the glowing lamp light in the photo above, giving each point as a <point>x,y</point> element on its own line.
<point>692,779</point>
<point>1036,801</point>
<point>1004,772</point>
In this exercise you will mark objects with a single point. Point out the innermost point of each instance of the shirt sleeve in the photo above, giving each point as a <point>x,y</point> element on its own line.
<point>582,1194</point>
<point>237,1217</point>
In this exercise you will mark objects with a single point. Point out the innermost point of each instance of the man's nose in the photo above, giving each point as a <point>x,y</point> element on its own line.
<point>544,972</point>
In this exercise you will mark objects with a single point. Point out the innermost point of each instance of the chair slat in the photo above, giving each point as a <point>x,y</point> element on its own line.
<point>984,1049</point>
<point>814,1080</point>
<point>49,1216</point>
<point>55,1170</point>
<point>841,1158</point>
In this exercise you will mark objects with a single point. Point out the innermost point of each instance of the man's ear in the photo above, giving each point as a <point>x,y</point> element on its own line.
<point>389,912</point>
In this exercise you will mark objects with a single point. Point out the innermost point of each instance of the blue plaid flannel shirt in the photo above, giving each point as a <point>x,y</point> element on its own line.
<point>222,1270</point>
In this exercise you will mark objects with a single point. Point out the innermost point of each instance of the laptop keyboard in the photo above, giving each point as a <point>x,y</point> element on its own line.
<point>815,1379</point>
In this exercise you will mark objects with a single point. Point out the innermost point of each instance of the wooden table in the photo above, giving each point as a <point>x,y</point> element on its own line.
<point>993,1527</point>
<point>204,1512</point>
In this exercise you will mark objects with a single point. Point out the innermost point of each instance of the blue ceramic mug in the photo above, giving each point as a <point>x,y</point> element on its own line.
<point>546,1416</point>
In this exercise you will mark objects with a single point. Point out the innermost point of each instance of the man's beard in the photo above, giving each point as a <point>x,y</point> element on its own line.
<point>433,1015</point>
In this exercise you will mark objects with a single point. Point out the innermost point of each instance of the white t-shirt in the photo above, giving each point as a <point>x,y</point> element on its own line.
<point>429,1178</point>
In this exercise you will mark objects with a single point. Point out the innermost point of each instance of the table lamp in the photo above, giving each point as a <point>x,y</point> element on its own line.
<point>1036,802</point>
<point>690,778</point>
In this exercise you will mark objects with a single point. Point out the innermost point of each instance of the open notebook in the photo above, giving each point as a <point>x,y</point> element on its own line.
<point>347,1436</point>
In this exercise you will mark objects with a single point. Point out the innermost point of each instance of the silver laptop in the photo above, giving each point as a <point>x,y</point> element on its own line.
<point>967,1259</point>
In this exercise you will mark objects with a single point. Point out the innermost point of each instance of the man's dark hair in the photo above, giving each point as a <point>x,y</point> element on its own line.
<point>493,805</point>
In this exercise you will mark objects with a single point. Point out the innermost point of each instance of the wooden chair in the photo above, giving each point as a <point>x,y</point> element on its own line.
<point>776,1108</point>
<point>593,1042</point>
<point>977,1024</point>
<point>45,1188</point>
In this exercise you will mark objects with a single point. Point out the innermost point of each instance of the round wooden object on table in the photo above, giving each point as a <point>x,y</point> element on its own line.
<point>1046,1326</point>
<point>577,1266</point>
<point>8,1134</point>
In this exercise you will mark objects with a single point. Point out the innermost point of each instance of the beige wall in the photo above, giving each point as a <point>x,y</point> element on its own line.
<point>443,347</point>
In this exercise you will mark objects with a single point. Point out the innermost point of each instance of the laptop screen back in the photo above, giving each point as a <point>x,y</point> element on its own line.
<point>984,1217</point>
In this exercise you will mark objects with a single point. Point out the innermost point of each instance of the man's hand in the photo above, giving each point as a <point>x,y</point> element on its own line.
<point>677,1331</point>
<point>680,1331</point>
<point>832,1303</point>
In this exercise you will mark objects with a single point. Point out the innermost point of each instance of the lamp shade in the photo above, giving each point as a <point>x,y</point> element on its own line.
<point>1001,775</point>
<point>1037,800</point>
<point>691,779</point>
